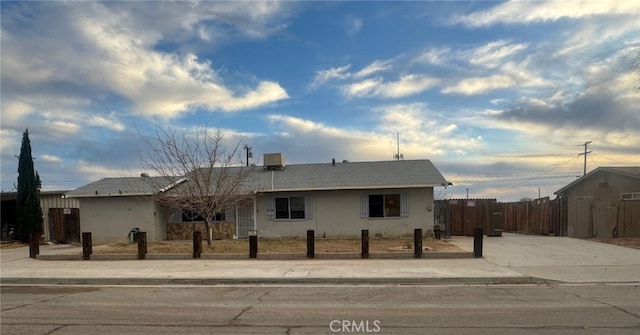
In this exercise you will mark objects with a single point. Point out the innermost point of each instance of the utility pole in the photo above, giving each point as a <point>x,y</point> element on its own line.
<point>249,153</point>
<point>467,193</point>
<point>585,153</point>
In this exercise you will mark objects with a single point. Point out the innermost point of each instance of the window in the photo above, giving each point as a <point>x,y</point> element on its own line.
<point>393,205</point>
<point>630,196</point>
<point>384,205</point>
<point>290,208</point>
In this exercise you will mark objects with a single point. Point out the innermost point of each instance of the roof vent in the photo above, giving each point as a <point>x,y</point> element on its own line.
<point>274,161</point>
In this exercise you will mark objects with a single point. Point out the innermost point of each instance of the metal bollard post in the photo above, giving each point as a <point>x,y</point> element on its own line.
<point>142,244</point>
<point>253,243</point>
<point>365,244</point>
<point>417,242</point>
<point>87,246</point>
<point>477,242</point>
<point>311,244</point>
<point>197,244</point>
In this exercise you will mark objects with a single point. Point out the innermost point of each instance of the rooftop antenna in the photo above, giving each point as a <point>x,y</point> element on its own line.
<point>398,156</point>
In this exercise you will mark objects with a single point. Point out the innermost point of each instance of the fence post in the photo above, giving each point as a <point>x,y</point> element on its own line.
<point>142,244</point>
<point>311,245</point>
<point>253,243</point>
<point>417,242</point>
<point>34,245</point>
<point>365,244</point>
<point>197,244</point>
<point>477,242</point>
<point>87,246</point>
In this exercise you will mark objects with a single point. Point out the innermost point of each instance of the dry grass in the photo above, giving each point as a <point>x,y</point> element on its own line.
<point>12,244</point>
<point>284,246</point>
<point>629,242</point>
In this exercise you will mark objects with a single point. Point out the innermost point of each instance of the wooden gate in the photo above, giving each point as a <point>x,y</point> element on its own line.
<point>464,215</point>
<point>64,225</point>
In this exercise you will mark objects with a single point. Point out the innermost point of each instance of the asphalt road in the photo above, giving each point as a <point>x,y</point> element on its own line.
<point>331,309</point>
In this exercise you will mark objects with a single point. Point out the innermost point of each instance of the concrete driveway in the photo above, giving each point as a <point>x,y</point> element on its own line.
<point>560,258</point>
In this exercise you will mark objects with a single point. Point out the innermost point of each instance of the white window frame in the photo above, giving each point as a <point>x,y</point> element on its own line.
<point>271,207</point>
<point>630,196</point>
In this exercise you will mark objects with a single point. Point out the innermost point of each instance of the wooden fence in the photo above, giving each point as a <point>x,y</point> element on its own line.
<point>539,216</point>
<point>620,219</point>
<point>462,216</point>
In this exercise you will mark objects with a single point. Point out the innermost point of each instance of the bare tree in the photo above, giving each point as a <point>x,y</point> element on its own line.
<point>201,176</point>
<point>441,193</point>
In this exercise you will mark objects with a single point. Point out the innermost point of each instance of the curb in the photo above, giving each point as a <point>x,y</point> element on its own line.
<point>281,281</point>
<point>225,256</point>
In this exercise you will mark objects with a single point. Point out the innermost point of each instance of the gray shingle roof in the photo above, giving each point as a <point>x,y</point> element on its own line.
<point>127,186</point>
<point>296,177</point>
<point>354,175</point>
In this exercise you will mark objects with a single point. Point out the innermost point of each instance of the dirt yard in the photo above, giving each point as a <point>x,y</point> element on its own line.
<point>629,242</point>
<point>284,245</point>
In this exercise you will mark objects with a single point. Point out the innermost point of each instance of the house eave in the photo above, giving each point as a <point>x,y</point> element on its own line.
<point>108,195</point>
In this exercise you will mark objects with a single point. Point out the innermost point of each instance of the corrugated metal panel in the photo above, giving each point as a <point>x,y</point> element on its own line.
<point>54,200</point>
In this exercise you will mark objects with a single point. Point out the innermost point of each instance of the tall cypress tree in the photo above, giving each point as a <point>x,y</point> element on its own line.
<point>28,210</point>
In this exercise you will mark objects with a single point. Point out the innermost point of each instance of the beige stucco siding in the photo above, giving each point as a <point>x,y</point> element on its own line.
<point>110,219</point>
<point>338,213</point>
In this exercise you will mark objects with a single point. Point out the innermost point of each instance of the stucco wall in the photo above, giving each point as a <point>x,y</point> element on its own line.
<point>110,219</point>
<point>337,213</point>
<point>605,188</point>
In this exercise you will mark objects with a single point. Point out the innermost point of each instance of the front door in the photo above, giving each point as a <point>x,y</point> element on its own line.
<point>245,220</point>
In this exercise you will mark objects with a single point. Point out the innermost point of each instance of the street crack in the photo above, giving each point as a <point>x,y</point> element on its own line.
<point>236,318</point>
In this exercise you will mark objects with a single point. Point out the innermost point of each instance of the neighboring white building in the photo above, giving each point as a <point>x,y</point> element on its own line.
<point>113,206</point>
<point>389,198</point>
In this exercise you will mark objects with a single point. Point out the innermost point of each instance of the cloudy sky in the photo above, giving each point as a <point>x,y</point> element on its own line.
<point>499,95</point>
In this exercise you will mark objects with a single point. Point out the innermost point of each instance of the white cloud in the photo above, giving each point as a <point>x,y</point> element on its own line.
<point>93,171</point>
<point>163,84</point>
<point>433,56</point>
<point>511,75</point>
<point>376,66</point>
<point>334,73</point>
<point>363,88</point>
<point>124,61</point>
<point>353,25</point>
<point>522,12</point>
<point>104,122</point>
<point>494,53</point>
<point>302,126</point>
<point>50,158</point>
<point>406,86</point>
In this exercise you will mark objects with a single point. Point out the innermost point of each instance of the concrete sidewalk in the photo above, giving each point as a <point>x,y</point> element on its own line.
<point>508,259</point>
